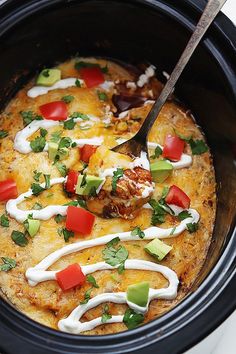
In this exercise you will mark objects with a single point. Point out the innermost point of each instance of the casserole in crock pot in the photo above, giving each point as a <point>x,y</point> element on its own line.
<point>69,261</point>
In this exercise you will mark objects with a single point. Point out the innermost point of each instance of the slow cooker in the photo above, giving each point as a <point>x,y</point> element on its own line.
<point>37,33</point>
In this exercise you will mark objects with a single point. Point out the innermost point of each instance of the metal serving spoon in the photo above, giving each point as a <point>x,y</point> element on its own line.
<point>138,143</point>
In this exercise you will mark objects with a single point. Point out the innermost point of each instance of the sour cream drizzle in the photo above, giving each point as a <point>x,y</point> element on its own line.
<point>61,84</point>
<point>42,214</point>
<point>39,273</point>
<point>22,145</point>
<point>72,323</point>
<point>51,210</point>
<point>36,91</point>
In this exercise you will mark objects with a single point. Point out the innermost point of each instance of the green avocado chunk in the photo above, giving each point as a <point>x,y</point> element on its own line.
<point>158,249</point>
<point>52,150</point>
<point>138,293</point>
<point>33,226</point>
<point>48,77</point>
<point>91,183</point>
<point>160,170</point>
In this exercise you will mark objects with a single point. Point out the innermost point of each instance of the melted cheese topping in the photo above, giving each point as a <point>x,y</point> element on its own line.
<point>45,302</point>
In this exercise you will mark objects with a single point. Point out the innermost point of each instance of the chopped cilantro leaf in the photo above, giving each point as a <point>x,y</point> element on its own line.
<point>79,115</point>
<point>65,142</point>
<point>69,124</point>
<point>115,257</point>
<point>77,83</point>
<point>65,233</point>
<point>61,168</point>
<point>173,230</point>
<point>38,144</point>
<point>198,147</point>
<point>192,227</point>
<point>92,281</point>
<point>116,176</point>
<point>29,116</point>
<point>106,315</point>
<point>137,232</point>
<point>37,175</point>
<point>43,132</point>
<point>67,98</point>
<point>72,202</point>
<point>8,263</point>
<point>36,189</point>
<point>59,218</point>
<point>102,96</point>
<point>157,153</point>
<point>184,215</point>
<point>19,238</point>
<point>82,203</point>
<point>4,221</point>
<point>132,319</point>
<point>3,134</point>
<point>87,296</point>
<point>182,137</point>
<point>158,215</point>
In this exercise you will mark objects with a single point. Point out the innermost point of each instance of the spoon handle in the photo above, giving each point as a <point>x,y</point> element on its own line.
<point>211,10</point>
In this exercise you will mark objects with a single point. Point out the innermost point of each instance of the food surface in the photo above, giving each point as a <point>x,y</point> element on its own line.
<point>82,244</point>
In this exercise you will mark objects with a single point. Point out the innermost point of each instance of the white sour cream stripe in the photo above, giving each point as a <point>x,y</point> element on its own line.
<point>150,233</point>
<point>36,91</point>
<point>61,84</point>
<point>72,323</point>
<point>42,214</point>
<point>22,145</point>
<point>51,210</point>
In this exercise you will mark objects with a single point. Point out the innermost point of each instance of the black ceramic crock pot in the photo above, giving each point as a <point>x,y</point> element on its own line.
<point>36,33</point>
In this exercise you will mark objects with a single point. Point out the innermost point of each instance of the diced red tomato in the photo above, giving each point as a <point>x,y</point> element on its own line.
<point>86,152</point>
<point>173,148</point>
<point>8,190</point>
<point>92,76</point>
<point>70,277</point>
<point>71,182</point>
<point>177,197</point>
<point>56,110</point>
<point>79,220</point>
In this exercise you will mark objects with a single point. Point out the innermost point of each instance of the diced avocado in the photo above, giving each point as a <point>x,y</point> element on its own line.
<point>138,293</point>
<point>92,182</point>
<point>52,150</point>
<point>160,170</point>
<point>158,249</point>
<point>63,153</point>
<point>48,77</point>
<point>33,226</point>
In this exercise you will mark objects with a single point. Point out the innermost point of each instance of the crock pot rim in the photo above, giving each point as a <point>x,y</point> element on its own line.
<point>229,276</point>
